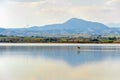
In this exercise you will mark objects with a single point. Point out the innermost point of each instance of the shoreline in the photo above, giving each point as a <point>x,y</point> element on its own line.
<point>59,44</point>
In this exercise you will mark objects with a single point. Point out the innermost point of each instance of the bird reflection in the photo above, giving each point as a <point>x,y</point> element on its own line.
<point>78,52</point>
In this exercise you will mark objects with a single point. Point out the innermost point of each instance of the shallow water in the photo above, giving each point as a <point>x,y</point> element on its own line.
<point>59,62</point>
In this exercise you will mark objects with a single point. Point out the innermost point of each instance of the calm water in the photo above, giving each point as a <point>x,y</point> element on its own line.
<point>59,63</point>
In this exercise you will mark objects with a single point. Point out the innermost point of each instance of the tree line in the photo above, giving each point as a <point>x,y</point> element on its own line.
<point>16,39</point>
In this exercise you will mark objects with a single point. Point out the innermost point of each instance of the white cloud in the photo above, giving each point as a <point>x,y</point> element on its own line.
<point>114,3</point>
<point>41,12</point>
<point>26,0</point>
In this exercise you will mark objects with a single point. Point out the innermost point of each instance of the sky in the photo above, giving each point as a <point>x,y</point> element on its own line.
<point>27,13</point>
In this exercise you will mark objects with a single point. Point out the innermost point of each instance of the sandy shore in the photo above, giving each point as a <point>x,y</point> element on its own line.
<point>54,44</point>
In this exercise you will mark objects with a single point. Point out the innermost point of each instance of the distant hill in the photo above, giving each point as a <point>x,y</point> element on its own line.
<point>72,26</point>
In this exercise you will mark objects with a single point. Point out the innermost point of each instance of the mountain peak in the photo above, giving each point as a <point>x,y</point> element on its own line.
<point>74,20</point>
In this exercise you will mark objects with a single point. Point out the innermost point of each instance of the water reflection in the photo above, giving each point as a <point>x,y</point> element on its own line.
<point>70,55</point>
<point>58,63</point>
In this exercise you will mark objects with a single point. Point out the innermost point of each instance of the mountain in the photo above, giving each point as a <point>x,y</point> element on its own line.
<point>2,30</point>
<point>116,25</point>
<point>72,26</point>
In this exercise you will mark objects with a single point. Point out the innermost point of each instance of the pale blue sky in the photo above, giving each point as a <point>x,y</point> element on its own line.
<point>20,13</point>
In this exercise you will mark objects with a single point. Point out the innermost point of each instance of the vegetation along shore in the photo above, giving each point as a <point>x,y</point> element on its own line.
<point>32,39</point>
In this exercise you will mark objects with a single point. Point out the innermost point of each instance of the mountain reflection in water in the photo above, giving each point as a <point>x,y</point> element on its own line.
<point>58,63</point>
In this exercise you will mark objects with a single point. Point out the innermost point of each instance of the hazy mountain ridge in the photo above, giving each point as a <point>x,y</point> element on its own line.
<point>116,25</point>
<point>72,26</point>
